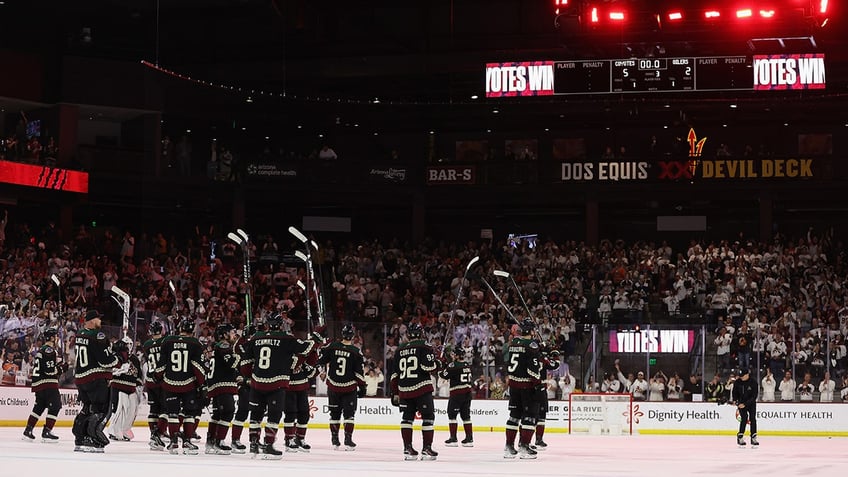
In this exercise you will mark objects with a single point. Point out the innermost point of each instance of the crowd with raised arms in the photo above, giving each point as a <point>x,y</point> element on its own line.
<point>761,294</point>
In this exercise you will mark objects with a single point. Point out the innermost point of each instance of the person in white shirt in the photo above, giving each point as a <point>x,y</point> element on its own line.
<point>787,388</point>
<point>769,386</point>
<point>805,389</point>
<point>639,388</point>
<point>675,387</point>
<point>321,383</point>
<point>373,379</point>
<point>566,384</point>
<point>826,388</point>
<point>656,387</point>
<point>722,343</point>
<point>611,384</point>
<point>844,392</point>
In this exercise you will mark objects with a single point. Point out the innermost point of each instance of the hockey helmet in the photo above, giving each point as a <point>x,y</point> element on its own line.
<point>223,331</point>
<point>528,326</point>
<point>348,331</point>
<point>414,331</point>
<point>187,326</point>
<point>49,333</point>
<point>275,321</point>
<point>155,328</point>
<point>120,346</point>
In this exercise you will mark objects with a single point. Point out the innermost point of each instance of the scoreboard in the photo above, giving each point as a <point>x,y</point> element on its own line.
<point>648,75</point>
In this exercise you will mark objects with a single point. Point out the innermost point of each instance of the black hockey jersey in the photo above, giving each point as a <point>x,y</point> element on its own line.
<point>45,369</point>
<point>345,367</point>
<point>414,363</point>
<point>459,375</point>
<point>523,363</point>
<point>94,357</point>
<point>223,370</point>
<point>181,364</point>
<point>152,351</point>
<point>271,357</point>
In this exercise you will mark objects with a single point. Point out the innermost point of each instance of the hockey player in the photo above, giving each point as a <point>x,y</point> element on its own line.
<point>45,385</point>
<point>270,357</point>
<point>549,362</point>
<point>221,387</point>
<point>123,385</point>
<point>458,372</point>
<point>744,395</point>
<point>243,381</point>
<point>157,418</point>
<point>92,371</point>
<point>183,373</point>
<point>523,369</point>
<point>297,401</point>
<point>412,390</point>
<point>345,383</point>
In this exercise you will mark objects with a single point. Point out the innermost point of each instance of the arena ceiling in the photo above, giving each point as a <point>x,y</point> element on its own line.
<point>423,59</point>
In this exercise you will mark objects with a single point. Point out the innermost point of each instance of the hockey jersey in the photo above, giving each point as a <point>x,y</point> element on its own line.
<point>181,364</point>
<point>271,357</point>
<point>223,370</point>
<point>94,357</point>
<point>523,363</point>
<point>414,363</point>
<point>345,367</point>
<point>128,377</point>
<point>458,373</point>
<point>152,351</point>
<point>45,369</point>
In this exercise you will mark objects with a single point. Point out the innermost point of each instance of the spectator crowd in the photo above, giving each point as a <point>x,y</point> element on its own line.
<point>778,308</point>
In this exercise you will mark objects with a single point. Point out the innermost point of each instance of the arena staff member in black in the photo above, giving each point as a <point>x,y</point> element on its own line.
<point>745,392</point>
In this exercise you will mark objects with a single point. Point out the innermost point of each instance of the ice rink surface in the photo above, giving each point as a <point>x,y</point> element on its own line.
<point>379,453</point>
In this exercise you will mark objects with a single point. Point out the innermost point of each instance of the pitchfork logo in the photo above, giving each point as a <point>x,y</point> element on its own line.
<point>312,409</point>
<point>674,170</point>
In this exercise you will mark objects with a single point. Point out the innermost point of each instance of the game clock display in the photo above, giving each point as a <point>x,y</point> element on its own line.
<point>653,74</point>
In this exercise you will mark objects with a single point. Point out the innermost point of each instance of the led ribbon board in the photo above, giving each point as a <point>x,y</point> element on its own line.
<point>43,177</point>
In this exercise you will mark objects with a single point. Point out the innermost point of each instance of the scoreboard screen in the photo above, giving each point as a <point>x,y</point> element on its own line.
<point>649,75</point>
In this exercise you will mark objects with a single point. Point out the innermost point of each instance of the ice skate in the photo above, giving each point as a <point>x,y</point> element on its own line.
<point>155,443</point>
<point>740,441</point>
<point>28,435</point>
<point>189,448</point>
<point>427,453</point>
<point>349,444</point>
<point>222,449</point>
<point>510,452</point>
<point>237,447</point>
<point>334,441</point>
<point>526,452</point>
<point>541,445</point>
<point>409,453</point>
<point>301,445</point>
<point>174,447</point>
<point>754,443</point>
<point>269,452</point>
<point>291,445</point>
<point>47,436</point>
<point>452,442</point>
<point>468,442</point>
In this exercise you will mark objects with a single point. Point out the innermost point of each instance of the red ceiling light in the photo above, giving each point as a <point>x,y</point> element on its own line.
<point>744,13</point>
<point>823,6</point>
<point>594,14</point>
<point>617,16</point>
<point>674,16</point>
<point>712,14</point>
<point>767,13</point>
